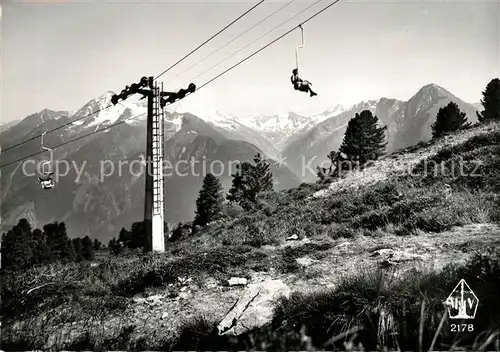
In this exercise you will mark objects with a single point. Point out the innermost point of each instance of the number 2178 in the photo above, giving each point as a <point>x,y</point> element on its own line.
<point>462,327</point>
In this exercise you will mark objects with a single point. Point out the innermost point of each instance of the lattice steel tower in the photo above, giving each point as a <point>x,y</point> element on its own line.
<point>157,170</point>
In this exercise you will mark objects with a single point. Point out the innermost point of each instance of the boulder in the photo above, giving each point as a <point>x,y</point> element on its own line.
<point>255,308</point>
<point>237,281</point>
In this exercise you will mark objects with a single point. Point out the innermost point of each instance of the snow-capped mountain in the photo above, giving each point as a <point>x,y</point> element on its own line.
<point>279,128</point>
<point>98,112</point>
<point>270,133</point>
<point>92,199</point>
<point>334,111</point>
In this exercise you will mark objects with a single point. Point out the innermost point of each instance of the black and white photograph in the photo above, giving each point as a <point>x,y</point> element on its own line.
<point>250,175</point>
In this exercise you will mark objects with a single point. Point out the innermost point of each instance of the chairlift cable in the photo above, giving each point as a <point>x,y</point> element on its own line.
<point>267,45</point>
<point>256,40</point>
<point>71,140</point>
<point>111,105</point>
<point>238,36</point>
<point>203,85</point>
<point>209,39</point>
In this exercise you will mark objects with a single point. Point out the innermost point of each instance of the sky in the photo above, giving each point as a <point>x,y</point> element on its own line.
<point>61,54</point>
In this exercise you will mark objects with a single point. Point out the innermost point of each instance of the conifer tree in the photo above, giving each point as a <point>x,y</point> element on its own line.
<point>322,173</point>
<point>449,119</point>
<point>243,183</point>
<point>209,202</point>
<point>334,170</point>
<point>363,140</point>
<point>124,236</point>
<point>17,246</point>
<point>138,235</point>
<point>114,246</point>
<point>263,174</point>
<point>97,244</point>
<point>61,247</point>
<point>88,249</point>
<point>249,181</point>
<point>78,247</point>
<point>135,237</point>
<point>490,102</point>
<point>41,251</point>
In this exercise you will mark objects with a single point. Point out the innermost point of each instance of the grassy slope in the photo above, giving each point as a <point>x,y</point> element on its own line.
<point>341,226</point>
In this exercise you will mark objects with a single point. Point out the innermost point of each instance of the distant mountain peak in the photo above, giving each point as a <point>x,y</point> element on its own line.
<point>433,89</point>
<point>105,97</point>
<point>48,114</point>
<point>106,94</point>
<point>368,104</point>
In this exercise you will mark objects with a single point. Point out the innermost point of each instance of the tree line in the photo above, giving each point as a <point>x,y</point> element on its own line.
<point>248,182</point>
<point>364,141</point>
<point>23,247</point>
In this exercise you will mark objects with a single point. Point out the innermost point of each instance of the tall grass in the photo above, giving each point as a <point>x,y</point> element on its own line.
<point>375,310</point>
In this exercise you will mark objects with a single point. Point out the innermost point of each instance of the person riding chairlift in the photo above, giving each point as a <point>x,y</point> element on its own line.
<point>45,179</point>
<point>300,84</point>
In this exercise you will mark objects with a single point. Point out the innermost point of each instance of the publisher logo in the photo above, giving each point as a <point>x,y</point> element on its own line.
<point>462,302</point>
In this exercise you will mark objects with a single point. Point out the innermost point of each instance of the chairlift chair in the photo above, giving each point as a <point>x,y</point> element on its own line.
<point>299,83</point>
<point>46,181</point>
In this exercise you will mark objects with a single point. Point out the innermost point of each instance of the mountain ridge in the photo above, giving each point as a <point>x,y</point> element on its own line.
<point>212,137</point>
<point>408,122</point>
<point>95,202</point>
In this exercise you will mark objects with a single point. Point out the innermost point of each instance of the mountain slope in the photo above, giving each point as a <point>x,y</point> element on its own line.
<point>413,123</point>
<point>410,232</point>
<point>5,126</point>
<point>407,124</point>
<point>102,189</point>
<point>232,127</point>
<point>280,128</point>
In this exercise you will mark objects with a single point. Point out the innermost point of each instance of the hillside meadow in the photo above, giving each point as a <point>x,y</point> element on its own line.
<point>376,253</point>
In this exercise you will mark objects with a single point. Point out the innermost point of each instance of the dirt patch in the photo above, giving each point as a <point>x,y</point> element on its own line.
<point>427,251</point>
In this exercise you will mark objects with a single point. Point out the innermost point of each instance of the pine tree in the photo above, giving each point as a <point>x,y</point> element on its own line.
<point>114,246</point>
<point>490,102</point>
<point>449,119</point>
<point>124,237</point>
<point>138,235</point>
<point>209,202</point>
<point>243,187</point>
<point>135,237</point>
<point>61,247</point>
<point>249,181</point>
<point>88,249</point>
<point>335,168</point>
<point>97,244</point>
<point>41,251</point>
<point>263,174</point>
<point>78,247</point>
<point>17,247</point>
<point>322,173</point>
<point>363,140</point>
